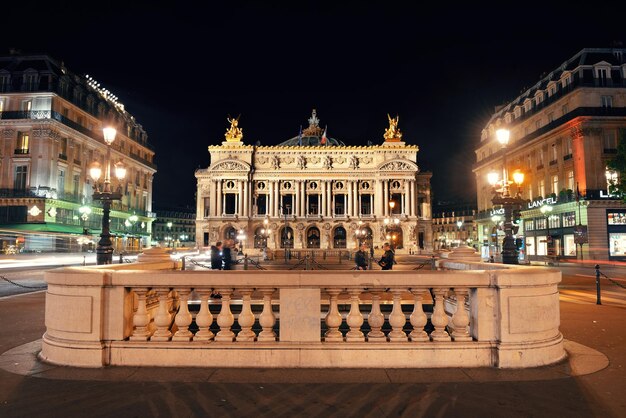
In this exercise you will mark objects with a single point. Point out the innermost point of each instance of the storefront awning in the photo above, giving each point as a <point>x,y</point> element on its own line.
<point>42,228</point>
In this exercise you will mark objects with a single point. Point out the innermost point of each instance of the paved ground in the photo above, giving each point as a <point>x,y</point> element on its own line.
<point>591,384</point>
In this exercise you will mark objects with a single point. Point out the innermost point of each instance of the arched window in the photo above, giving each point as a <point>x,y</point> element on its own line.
<point>286,237</point>
<point>339,238</point>
<point>313,238</point>
<point>230,233</point>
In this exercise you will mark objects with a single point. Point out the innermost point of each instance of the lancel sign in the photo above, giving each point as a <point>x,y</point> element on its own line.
<point>542,202</point>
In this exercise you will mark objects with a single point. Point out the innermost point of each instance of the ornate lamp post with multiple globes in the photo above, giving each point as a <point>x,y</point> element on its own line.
<point>104,193</point>
<point>502,197</point>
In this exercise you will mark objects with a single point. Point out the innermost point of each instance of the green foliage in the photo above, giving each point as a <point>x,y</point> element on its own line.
<point>618,163</point>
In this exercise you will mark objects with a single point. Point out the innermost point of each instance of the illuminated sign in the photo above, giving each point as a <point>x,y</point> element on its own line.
<point>616,218</point>
<point>542,202</point>
<point>496,212</point>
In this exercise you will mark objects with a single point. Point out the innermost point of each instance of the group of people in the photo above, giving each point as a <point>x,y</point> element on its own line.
<point>386,262</point>
<point>221,255</point>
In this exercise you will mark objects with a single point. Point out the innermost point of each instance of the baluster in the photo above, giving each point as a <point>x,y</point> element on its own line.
<point>141,318</point>
<point>461,319</point>
<point>376,319</point>
<point>204,319</point>
<point>397,318</point>
<point>183,318</point>
<point>163,319</point>
<point>225,319</point>
<point>333,318</point>
<point>267,320</point>
<point>354,318</point>
<point>439,318</point>
<point>418,317</point>
<point>246,318</point>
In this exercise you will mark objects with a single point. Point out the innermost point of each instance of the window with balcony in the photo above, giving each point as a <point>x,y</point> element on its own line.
<point>63,149</point>
<point>366,204</point>
<point>540,159</point>
<point>554,155</point>
<point>287,204</point>
<point>340,205</point>
<point>567,148</point>
<point>23,143</point>
<point>570,180</point>
<point>610,142</point>
<point>76,185</point>
<point>61,181</point>
<point>313,204</point>
<point>550,117</point>
<point>541,189</point>
<point>261,204</point>
<point>27,105</point>
<point>555,184</point>
<point>564,109</point>
<point>207,207</point>
<point>602,76</point>
<point>21,177</point>
<point>607,101</point>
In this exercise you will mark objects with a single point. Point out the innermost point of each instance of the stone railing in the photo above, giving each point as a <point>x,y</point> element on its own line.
<point>499,318</point>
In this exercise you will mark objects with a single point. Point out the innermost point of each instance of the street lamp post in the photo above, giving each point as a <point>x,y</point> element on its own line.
<point>391,222</point>
<point>104,250</point>
<point>285,237</point>
<point>169,231</point>
<point>496,221</point>
<point>502,197</point>
<point>459,224</point>
<point>265,233</point>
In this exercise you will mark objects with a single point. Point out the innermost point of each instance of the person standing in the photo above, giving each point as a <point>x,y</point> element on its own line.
<point>360,258</point>
<point>387,260</point>
<point>227,258</point>
<point>216,256</point>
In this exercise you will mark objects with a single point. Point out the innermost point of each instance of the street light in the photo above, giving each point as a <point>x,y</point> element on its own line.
<point>169,227</point>
<point>391,222</point>
<point>459,224</point>
<point>104,250</point>
<point>285,236</point>
<point>265,233</point>
<point>502,197</point>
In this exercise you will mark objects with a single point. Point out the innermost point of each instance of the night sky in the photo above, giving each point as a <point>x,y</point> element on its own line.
<point>182,69</point>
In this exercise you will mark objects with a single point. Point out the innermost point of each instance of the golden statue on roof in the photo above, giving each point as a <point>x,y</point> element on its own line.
<point>234,133</point>
<point>393,133</point>
<point>314,126</point>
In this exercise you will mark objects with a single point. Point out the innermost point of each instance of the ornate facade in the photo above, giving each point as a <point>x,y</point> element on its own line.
<point>314,192</point>
<point>51,124</point>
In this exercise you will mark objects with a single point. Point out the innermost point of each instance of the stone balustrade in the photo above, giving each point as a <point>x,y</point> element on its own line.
<point>506,318</point>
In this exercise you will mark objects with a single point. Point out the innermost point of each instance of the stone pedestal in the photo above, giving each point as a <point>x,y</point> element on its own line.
<point>154,254</point>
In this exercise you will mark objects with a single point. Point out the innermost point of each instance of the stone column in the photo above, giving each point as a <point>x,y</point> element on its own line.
<point>302,201</point>
<point>276,199</point>
<point>323,198</point>
<point>246,199</point>
<point>385,200</point>
<point>348,195</point>
<point>377,206</point>
<point>406,198</point>
<point>200,201</point>
<point>219,198</point>
<point>413,198</point>
<point>296,201</point>
<point>270,197</point>
<point>355,194</point>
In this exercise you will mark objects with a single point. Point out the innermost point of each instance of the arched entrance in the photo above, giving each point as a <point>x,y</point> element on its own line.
<point>313,237</point>
<point>339,237</point>
<point>286,237</point>
<point>230,233</point>
<point>260,238</point>
<point>395,237</point>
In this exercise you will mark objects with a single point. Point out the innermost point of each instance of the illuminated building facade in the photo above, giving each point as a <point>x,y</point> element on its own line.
<point>51,124</point>
<point>314,192</point>
<point>563,130</point>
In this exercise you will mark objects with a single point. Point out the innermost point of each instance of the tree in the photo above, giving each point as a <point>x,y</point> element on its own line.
<point>618,164</point>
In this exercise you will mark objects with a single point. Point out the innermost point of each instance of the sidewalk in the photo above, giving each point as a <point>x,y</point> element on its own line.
<point>32,388</point>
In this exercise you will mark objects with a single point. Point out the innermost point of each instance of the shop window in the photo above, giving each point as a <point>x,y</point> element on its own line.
<point>569,219</point>
<point>529,225</point>
<point>569,246</point>
<point>617,244</point>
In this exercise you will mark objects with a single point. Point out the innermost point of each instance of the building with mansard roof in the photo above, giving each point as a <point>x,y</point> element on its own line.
<point>563,130</point>
<point>51,122</point>
<point>312,192</point>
